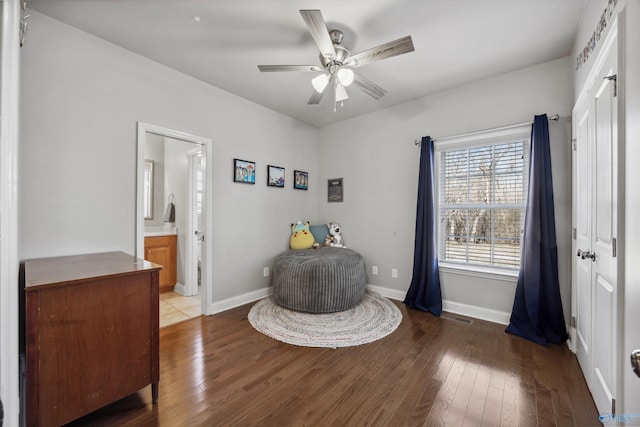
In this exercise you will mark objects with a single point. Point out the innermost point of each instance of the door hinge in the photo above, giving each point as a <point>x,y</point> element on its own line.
<point>574,146</point>
<point>613,79</point>
<point>573,233</point>
<point>613,407</point>
<point>573,321</point>
<point>614,247</point>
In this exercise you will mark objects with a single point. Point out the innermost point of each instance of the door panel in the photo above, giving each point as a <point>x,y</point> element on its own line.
<point>582,178</point>
<point>602,165</point>
<point>604,321</point>
<point>583,324</point>
<point>603,387</point>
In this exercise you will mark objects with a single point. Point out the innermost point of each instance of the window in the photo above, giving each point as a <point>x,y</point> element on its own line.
<point>482,199</point>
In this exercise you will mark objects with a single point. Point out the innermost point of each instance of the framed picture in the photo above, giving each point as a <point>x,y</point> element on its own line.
<point>300,180</point>
<point>275,176</point>
<point>244,171</point>
<point>335,190</point>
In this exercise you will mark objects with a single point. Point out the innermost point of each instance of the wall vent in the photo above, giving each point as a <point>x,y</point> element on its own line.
<point>456,318</point>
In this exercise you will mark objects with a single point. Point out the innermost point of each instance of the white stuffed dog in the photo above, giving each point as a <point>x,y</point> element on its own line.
<point>336,238</point>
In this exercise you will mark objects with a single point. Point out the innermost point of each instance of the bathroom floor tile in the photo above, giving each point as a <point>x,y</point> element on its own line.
<point>175,308</point>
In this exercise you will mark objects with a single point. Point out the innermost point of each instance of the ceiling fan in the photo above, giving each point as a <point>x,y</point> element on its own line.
<point>337,63</point>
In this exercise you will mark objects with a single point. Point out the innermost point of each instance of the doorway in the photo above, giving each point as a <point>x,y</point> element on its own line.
<point>189,168</point>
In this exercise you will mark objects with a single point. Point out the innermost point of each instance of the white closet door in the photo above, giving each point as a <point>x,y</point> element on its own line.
<point>596,210</point>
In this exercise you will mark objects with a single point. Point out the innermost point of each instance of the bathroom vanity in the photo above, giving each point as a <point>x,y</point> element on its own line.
<point>162,249</point>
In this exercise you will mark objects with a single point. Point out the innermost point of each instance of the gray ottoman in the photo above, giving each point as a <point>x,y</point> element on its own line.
<point>323,280</point>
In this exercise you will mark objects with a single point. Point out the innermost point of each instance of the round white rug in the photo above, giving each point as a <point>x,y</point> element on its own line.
<point>374,318</point>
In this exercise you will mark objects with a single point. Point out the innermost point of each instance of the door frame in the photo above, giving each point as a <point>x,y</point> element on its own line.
<point>207,210</point>
<point>9,220</point>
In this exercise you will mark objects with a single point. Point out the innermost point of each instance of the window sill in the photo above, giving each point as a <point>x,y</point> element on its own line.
<point>477,271</point>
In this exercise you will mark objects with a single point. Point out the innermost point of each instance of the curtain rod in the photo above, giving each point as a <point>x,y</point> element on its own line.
<point>554,117</point>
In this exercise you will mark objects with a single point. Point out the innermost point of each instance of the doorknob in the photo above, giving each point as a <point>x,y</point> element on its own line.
<point>635,361</point>
<point>586,254</point>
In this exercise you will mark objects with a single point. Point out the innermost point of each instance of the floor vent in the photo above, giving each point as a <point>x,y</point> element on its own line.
<point>449,316</point>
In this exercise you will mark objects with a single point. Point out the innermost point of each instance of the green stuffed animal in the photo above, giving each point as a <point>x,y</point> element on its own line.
<point>301,237</point>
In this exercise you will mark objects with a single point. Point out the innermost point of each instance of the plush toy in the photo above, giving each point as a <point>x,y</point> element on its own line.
<point>336,238</point>
<point>301,237</point>
<point>328,240</point>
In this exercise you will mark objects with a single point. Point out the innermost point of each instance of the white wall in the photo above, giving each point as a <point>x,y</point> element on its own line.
<point>376,156</point>
<point>81,100</point>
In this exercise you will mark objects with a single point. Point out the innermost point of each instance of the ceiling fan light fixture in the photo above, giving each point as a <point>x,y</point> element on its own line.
<point>336,61</point>
<point>345,76</point>
<point>341,93</point>
<point>320,82</point>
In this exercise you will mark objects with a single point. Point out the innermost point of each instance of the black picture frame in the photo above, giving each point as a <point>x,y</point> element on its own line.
<point>335,190</point>
<point>244,171</point>
<point>275,176</point>
<point>300,180</point>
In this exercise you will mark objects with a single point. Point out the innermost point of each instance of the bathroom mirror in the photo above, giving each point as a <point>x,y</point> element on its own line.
<point>148,189</point>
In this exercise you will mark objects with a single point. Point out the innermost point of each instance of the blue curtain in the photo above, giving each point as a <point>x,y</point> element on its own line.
<point>537,308</point>
<point>424,291</point>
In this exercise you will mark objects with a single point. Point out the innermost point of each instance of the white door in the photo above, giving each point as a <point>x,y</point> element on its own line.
<point>595,269</point>
<point>197,168</point>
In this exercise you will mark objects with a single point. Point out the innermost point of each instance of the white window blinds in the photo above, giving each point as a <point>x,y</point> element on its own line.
<point>482,198</point>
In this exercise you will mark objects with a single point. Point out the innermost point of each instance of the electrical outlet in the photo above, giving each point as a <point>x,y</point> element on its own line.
<point>374,270</point>
<point>265,272</point>
<point>394,273</point>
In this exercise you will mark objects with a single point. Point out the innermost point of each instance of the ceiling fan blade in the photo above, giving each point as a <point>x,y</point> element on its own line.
<point>315,98</point>
<point>271,68</point>
<point>368,87</point>
<point>318,29</point>
<point>387,50</point>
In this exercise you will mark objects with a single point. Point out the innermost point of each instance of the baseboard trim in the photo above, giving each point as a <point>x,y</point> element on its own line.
<point>388,293</point>
<point>180,288</point>
<point>490,315</point>
<point>237,301</point>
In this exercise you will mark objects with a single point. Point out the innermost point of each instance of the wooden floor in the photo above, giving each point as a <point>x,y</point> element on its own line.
<point>219,371</point>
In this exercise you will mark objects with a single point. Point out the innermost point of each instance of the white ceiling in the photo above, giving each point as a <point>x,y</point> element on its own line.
<point>456,42</point>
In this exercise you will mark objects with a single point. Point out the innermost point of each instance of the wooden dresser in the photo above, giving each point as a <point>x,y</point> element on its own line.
<point>91,326</point>
<point>163,250</point>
